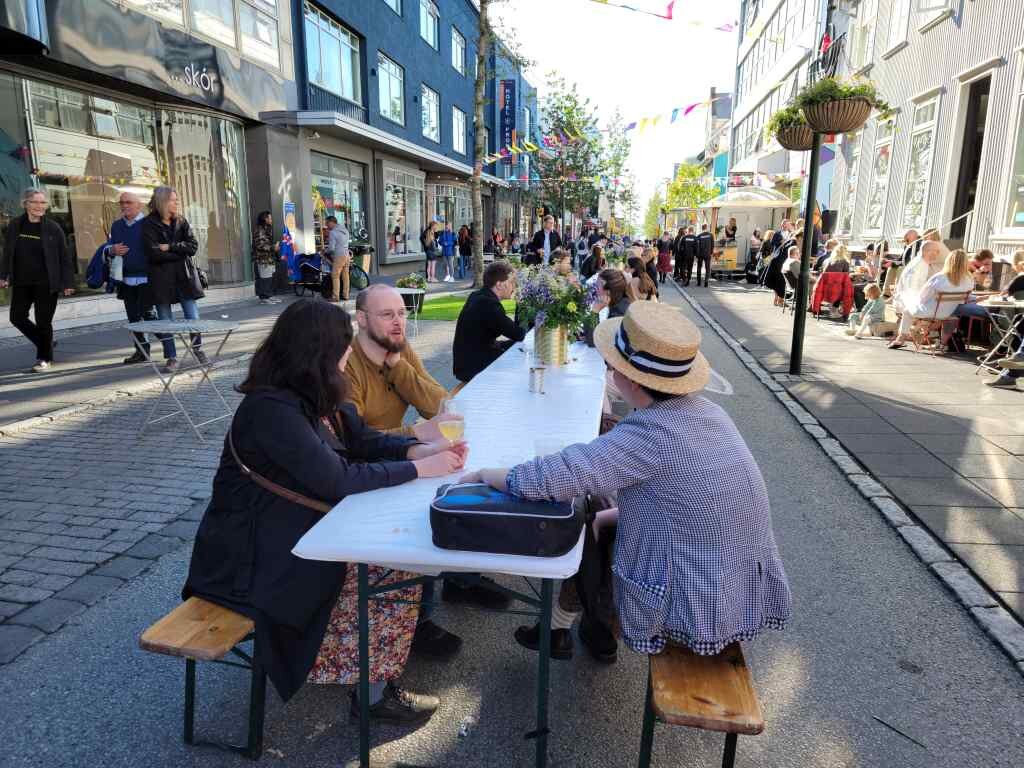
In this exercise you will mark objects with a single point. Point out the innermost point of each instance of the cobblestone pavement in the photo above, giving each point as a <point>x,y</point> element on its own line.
<point>85,504</point>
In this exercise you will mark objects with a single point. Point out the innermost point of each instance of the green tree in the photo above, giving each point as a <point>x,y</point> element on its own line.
<point>687,189</point>
<point>567,171</point>
<point>652,219</point>
<point>614,159</point>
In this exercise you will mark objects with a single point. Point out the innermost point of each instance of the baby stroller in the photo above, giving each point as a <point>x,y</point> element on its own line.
<point>312,272</point>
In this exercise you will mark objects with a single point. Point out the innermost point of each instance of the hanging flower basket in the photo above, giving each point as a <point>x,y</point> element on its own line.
<point>798,138</point>
<point>840,116</point>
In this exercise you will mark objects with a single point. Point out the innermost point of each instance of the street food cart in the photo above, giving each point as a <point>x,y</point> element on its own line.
<point>753,208</point>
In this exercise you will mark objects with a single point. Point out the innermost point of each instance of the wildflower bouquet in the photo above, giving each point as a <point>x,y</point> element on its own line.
<point>548,300</point>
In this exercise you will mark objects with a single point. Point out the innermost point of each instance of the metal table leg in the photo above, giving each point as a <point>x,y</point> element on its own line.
<point>543,671</point>
<point>364,666</point>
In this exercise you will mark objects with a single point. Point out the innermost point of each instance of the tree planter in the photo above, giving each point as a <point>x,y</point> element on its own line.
<point>840,116</point>
<point>798,138</point>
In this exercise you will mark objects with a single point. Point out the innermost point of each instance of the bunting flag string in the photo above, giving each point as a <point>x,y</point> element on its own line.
<point>674,115</point>
<point>525,146</point>
<point>667,15</point>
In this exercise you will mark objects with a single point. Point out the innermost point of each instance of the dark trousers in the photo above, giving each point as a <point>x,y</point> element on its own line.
<point>40,332</point>
<point>704,261</point>
<point>687,268</point>
<point>138,306</point>
<point>264,287</point>
<point>677,267</point>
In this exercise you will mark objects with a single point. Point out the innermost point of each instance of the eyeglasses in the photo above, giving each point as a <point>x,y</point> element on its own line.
<point>390,315</point>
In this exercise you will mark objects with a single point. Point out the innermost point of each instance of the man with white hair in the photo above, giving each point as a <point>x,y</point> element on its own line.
<point>908,287</point>
<point>36,266</point>
<point>125,241</point>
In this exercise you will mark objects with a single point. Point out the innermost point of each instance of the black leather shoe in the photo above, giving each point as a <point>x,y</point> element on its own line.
<point>399,706</point>
<point>474,594</point>
<point>435,642</point>
<point>561,641</point>
<point>599,641</point>
<point>138,357</point>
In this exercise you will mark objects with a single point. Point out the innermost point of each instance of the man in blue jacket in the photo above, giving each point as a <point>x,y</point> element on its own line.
<point>447,242</point>
<point>126,241</point>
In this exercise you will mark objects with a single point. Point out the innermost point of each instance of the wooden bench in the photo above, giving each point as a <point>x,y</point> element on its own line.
<point>714,693</point>
<point>198,630</point>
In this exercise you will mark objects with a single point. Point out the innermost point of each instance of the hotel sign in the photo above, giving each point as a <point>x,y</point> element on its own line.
<point>507,107</point>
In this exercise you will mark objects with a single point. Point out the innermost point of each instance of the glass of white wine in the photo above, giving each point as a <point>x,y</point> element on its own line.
<point>451,423</point>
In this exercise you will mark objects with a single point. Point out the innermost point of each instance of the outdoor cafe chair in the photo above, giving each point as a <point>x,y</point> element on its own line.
<point>923,327</point>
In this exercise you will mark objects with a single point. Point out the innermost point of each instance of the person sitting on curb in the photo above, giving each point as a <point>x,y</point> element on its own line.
<point>387,377</point>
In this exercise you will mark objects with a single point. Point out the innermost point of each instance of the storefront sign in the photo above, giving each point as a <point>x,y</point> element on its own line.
<point>202,80</point>
<point>507,105</point>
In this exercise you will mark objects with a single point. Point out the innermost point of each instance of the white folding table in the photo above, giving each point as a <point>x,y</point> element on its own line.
<point>390,527</point>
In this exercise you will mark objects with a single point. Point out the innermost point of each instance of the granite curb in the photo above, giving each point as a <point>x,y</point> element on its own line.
<point>997,622</point>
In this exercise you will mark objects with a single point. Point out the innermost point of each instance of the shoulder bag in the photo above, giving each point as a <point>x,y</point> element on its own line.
<point>269,485</point>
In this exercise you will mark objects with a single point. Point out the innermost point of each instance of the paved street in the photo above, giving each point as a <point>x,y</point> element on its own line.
<point>947,447</point>
<point>877,642</point>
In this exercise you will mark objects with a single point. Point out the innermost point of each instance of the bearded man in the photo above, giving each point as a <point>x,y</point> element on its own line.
<point>386,376</point>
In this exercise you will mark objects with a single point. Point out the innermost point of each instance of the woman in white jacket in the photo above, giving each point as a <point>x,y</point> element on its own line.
<point>954,278</point>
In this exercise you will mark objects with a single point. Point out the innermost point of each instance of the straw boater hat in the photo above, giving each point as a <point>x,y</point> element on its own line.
<point>655,346</point>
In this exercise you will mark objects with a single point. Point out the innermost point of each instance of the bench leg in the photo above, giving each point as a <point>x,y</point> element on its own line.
<point>190,700</point>
<point>729,756</point>
<point>647,733</point>
<point>257,706</point>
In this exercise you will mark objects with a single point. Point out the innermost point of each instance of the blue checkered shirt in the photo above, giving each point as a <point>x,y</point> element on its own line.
<point>695,557</point>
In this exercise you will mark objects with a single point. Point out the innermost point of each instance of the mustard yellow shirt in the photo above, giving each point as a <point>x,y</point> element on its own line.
<point>382,395</point>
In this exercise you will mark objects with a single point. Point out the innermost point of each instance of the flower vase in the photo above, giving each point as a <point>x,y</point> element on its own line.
<point>552,345</point>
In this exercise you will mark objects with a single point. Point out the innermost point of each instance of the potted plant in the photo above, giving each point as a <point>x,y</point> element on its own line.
<point>556,307</point>
<point>790,128</point>
<point>413,301</point>
<point>831,105</point>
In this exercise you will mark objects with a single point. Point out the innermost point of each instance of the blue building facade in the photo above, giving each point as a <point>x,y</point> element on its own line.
<point>383,126</point>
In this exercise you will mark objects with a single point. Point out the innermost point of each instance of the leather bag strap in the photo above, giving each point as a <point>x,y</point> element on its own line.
<point>270,485</point>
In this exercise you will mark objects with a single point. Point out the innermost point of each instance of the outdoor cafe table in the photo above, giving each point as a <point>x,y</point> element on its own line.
<point>390,527</point>
<point>1011,308</point>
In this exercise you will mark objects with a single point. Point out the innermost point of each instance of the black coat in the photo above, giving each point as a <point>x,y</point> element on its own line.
<point>481,323</point>
<point>56,254</point>
<point>169,280</point>
<point>537,244</point>
<point>242,556</point>
<point>705,245</point>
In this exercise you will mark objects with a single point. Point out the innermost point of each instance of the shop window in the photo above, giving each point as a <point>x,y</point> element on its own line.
<point>430,104</point>
<point>259,31</point>
<point>430,19</point>
<point>403,207</point>
<point>215,19</point>
<point>338,190</point>
<point>16,164</point>
<point>458,130</point>
<point>862,35</point>
<point>332,56</point>
<point>168,10</point>
<point>391,79</point>
<point>458,51</point>
<point>919,170</point>
<point>394,5</point>
<point>850,192</point>
<point>899,24</point>
<point>881,164</point>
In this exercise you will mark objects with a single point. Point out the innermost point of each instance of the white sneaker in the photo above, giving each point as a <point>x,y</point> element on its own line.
<point>449,279</point>
<point>41,365</point>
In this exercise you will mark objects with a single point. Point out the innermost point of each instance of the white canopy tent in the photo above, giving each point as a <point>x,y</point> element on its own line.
<point>752,207</point>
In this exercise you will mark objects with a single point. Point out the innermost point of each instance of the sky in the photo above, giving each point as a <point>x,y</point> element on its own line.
<point>643,65</point>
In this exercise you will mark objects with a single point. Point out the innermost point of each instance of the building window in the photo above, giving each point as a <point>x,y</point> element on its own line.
<point>1015,205</point>
<point>880,166</point>
<point>215,19</point>
<point>850,193</point>
<point>259,30</point>
<point>395,5</point>
<point>431,111</point>
<point>168,10</point>
<point>430,21</point>
<point>862,36</point>
<point>458,51</point>
<point>458,130</point>
<point>391,79</point>
<point>899,24</point>
<point>332,56</point>
<point>338,190</point>
<point>403,208</point>
<point>919,171</point>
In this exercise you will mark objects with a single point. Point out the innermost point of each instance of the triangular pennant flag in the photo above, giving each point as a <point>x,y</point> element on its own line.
<point>643,124</point>
<point>654,120</point>
<point>514,149</point>
<point>675,114</point>
<point>530,146</point>
<point>631,126</point>
<point>690,109</point>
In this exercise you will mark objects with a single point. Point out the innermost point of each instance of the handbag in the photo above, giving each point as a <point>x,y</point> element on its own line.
<point>269,485</point>
<point>197,277</point>
<point>473,517</point>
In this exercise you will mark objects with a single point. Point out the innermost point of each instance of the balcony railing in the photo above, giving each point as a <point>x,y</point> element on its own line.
<point>319,100</point>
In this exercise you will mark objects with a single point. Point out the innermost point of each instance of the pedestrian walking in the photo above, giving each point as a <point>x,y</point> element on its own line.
<point>544,242</point>
<point>428,240</point>
<point>689,250</point>
<point>705,247</point>
<point>664,256</point>
<point>447,242</point>
<point>36,266</point>
<point>341,258</point>
<point>125,243</point>
<point>465,250</point>
<point>173,276</point>
<point>264,257</point>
